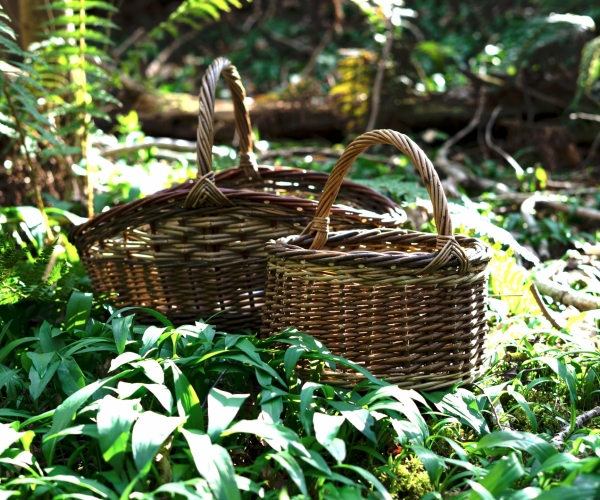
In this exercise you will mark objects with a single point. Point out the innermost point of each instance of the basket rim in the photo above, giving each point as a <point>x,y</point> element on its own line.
<point>297,248</point>
<point>243,197</point>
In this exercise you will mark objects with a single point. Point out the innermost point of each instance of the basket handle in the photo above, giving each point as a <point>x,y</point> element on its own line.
<point>205,133</point>
<point>446,242</point>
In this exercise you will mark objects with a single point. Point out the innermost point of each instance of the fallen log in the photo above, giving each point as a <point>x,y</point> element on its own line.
<point>175,114</point>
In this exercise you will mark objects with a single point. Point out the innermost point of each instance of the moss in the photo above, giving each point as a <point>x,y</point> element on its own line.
<point>411,482</point>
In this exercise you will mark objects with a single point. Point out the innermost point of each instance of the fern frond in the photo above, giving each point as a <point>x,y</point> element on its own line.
<point>192,12</point>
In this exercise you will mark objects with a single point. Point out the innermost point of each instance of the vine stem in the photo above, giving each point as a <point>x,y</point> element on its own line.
<point>32,167</point>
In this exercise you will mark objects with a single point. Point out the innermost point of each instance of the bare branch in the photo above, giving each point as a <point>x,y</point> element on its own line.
<point>488,139</point>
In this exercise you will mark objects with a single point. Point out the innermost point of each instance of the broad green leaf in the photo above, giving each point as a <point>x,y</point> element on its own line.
<point>188,403</point>
<point>162,393</point>
<point>67,410</point>
<point>71,377</point>
<point>277,436</point>
<point>432,463</point>
<point>181,490</point>
<point>126,357</point>
<point>530,443</point>
<point>290,359</point>
<point>405,404</point>
<point>121,328</point>
<point>9,436</point>
<point>291,466</point>
<point>45,336</point>
<point>503,474</point>
<point>460,404</point>
<point>272,407</point>
<point>90,430</point>
<point>222,409</point>
<point>150,431</point>
<point>5,376</point>
<point>160,317</point>
<point>152,370</point>
<point>38,384</point>
<point>528,493</point>
<point>326,429</point>
<point>370,478</point>
<point>214,464</point>
<point>560,460</point>
<point>563,373</point>
<point>78,310</point>
<point>522,402</point>
<point>306,405</point>
<point>41,361</point>
<point>8,348</point>
<point>318,462</point>
<point>358,417</point>
<point>114,419</point>
<point>99,490</point>
<point>479,492</point>
<point>150,338</point>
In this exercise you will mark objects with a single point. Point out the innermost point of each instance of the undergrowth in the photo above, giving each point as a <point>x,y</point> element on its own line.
<point>113,409</point>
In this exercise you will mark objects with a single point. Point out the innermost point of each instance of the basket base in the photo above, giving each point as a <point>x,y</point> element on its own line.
<point>414,381</point>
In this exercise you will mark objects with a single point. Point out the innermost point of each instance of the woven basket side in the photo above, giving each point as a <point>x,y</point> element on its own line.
<point>192,264</point>
<point>419,335</point>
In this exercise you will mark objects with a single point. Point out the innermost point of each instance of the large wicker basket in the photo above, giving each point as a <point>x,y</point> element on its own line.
<point>406,305</point>
<point>197,250</point>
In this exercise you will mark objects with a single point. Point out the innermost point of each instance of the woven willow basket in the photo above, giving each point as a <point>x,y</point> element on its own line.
<point>197,250</point>
<point>408,306</point>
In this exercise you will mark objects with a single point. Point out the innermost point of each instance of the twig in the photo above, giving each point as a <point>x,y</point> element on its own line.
<point>255,16</point>
<point>488,139</point>
<point>385,54</point>
<point>135,37</point>
<point>310,66</point>
<point>593,149</point>
<point>545,311</point>
<point>150,142</point>
<point>582,212</point>
<point>458,174</point>
<point>566,295</point>
<point>527,210</point>
<point>541,96</point>
<point>155,66</point>
<point>329,152</point>
<point>339,16</point>
<point>585,116</point>
<point>583,419</point>
<point>190,147</point>
<point>215,384</point>
<point>295,44</point>
<point>271,10</point>
<point>494,411</point>
<point>471,125</point>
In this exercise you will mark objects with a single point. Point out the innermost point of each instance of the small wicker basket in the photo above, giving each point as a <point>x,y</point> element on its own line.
<point>197,250</point>
<point>406,305</point>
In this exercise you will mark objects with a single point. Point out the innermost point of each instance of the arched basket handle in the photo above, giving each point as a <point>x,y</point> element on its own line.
<point>205,133</point>
<point>320,223</point>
